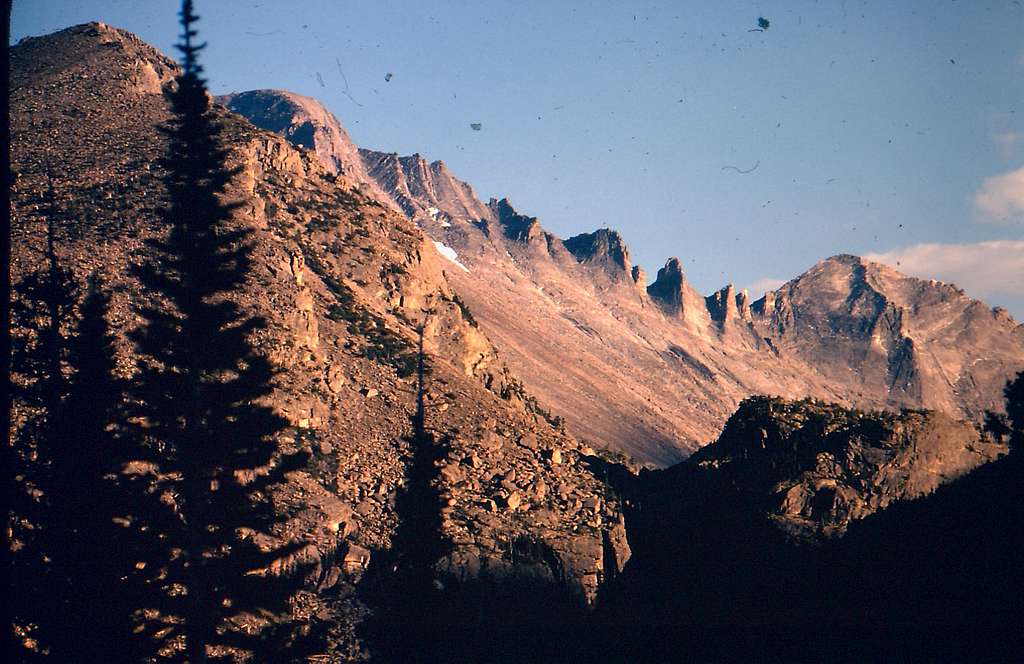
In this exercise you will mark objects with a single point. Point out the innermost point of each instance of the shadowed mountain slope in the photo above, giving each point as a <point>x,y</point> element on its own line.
<point>809,532</point>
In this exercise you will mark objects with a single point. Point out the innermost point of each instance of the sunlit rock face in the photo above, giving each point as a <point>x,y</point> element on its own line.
<point>654,370</point>
<point>306,123</point>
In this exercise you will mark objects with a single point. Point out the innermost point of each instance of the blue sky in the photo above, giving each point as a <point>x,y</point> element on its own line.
<point>889,129</point>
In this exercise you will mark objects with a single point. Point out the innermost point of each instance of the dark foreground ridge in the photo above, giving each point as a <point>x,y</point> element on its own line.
<point>722,569</point>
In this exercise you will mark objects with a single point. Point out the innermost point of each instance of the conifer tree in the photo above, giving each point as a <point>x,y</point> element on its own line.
<point>1014,394</point>
<point>42,312</point>
<point>198,397</point>
<point>85,536</point>
<point>70,569</point>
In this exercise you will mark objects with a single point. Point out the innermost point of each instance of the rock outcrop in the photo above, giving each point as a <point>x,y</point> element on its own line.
<point>668,287</point>
<point>676,297</point>
<point>426,192</point>
<point>516,227</point>
<point>306,123</point>
<point>434,184</point>
<point>743,305</point>
<point>722,306</point>
<point>817,467</point>
<point>603,251</point>
<point>827,523</point>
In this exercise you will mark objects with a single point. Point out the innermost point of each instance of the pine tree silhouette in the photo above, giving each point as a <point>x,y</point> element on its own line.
<point>197,396</point>
<point>1014,395</point>
<point>93,572</point>
<point>408,623</point>
<point>42,314</point>
<point>69,569</point>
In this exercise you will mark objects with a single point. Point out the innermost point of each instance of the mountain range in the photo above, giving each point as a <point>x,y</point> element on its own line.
<point>581,457</point>
<point>654,369</point>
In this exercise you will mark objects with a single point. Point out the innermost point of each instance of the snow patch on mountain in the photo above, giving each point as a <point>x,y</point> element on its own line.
<point>450,254</point>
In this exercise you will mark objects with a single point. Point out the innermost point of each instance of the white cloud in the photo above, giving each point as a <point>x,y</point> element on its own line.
<point>763,285</point>
<point>1001,198</point>
<point>992,270</point>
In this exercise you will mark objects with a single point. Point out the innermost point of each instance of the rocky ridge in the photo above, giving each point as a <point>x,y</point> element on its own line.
<point>655,370</point>
<point>306,123</point>
<point>810,530</point>
<point>426,192</point>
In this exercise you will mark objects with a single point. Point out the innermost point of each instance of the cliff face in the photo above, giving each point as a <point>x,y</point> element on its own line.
<point>348,288</point>
<point>655,370</point>
<point>817,467</point>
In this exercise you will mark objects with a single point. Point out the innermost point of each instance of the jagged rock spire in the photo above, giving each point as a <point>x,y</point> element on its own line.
<point>603,248</point>
<point>743,305</point>
<point>722,305</point>
<point>516,226</point>
<point>668,286</point>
